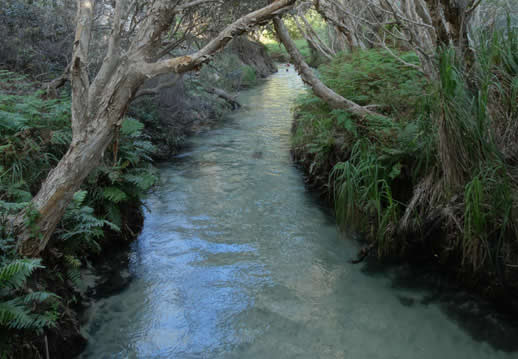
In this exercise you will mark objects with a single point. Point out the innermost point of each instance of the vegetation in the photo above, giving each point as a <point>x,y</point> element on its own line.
<point>48,126</point>
<point>279,53</point>
<point>297,30</point>
<point>34,133</point>
<point>411,128</point>
<point>435,173</point>
<point>232,74</point>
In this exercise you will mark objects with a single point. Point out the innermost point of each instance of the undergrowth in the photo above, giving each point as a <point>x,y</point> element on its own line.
<point>442,162</point>
<point>228,72</point>
<point>34,134</point>
<point>277,51</point>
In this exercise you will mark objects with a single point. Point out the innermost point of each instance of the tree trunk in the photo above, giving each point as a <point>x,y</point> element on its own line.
<point>450,19</point>
<point>98,108</point>
<point>59,187</point>
<point>85,152</point>
<point>319,88</point>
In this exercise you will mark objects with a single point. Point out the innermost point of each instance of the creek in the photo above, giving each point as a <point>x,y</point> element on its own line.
<point>237,259</point>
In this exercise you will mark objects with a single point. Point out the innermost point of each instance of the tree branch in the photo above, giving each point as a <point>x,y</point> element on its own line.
<point>246,23</point>
<point>224,95</point>
<point>322,91</point>
<point>78,66</point>
<point>52,86</point>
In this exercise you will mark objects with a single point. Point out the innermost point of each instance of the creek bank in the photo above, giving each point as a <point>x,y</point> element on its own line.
<point>100,276</point>
<point>172,115</point>
<point>236,257</point>
<point>419,252</point>
<point>371,171</point>
<point>177,112</point>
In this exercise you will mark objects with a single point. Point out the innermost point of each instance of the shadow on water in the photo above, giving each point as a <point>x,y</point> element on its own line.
<point>112,274</point>
<point>480,318</point>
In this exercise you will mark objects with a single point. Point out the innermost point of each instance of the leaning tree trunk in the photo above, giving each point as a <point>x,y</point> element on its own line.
<point>57,190</point>
<point>89,142</point>
<point>333,99</point>
<point>98,108</point>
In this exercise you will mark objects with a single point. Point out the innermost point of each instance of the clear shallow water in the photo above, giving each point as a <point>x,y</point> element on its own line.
<point>237,260</point>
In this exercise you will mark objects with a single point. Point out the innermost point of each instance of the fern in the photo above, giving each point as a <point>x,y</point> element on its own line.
<point>131,127</point>
<point>15,314</point>
<point>13,275</point>
<point>114,194</point>
<point>34,134</point>
<point>144,180</point>
<point>15,309</point>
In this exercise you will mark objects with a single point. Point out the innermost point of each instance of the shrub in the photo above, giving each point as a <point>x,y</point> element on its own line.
<point>34,135</point>
<point>445,155</point>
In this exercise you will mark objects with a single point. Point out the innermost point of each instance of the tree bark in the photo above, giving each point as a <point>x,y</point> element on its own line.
<point>322,91</point>
<point>98,108</point>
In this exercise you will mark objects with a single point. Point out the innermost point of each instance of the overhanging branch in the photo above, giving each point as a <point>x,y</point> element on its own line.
<point>322,91</point>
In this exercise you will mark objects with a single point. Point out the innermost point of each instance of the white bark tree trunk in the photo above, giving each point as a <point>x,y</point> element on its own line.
<point>319,88</point>
<point>98,108</point>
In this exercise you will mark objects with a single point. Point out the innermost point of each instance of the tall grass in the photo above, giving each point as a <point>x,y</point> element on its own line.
<point>447,158</point>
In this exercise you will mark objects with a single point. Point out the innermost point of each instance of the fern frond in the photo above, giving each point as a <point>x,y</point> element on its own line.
<point>131,127</point>
<point>74,276</point>
<point>79,197</point>
<point>15,315</point>
<point>144,180</point>
<point>114,194</point>
<point>38,297</point>
<point>15,273</point>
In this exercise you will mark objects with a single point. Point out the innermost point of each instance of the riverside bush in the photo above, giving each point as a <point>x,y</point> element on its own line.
<point>438,172</point>
<point>34,134</point>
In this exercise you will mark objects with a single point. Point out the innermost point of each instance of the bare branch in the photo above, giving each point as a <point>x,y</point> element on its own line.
<point>244,24</point>
<point>78,65</point>
<point>224,95</point>
<point>52,86</point>
<point>196,3</point>
<point>325,93</point>
<point>312,37</point>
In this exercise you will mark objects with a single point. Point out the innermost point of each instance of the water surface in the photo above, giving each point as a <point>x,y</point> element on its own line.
<point>238,260</point>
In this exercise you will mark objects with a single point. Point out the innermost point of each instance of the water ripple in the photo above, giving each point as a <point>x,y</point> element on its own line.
<point>236,260</point>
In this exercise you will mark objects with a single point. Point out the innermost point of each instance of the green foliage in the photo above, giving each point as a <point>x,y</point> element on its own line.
<point>248,77</point>
<point>326,132</point>
<point>279,53</point>
<point>367,159</point>
<point>34,134</point>
<point>21,309</point>
<point>477,118</point>
<point>131,127</point>
<point>17,306</point>
<point>447,147</point>
<point>374,77</point>
<point>363,192</point>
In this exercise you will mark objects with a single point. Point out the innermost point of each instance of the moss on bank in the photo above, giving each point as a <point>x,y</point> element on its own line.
<point>434,179</point>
